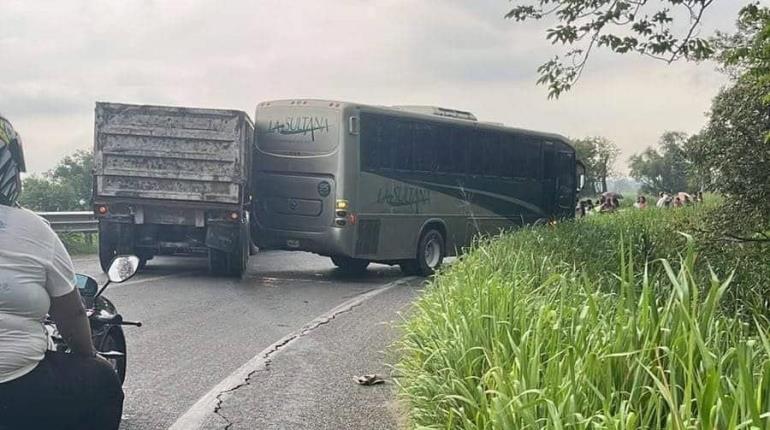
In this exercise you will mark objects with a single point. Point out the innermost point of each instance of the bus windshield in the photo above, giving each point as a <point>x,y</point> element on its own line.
<point>298,132</point>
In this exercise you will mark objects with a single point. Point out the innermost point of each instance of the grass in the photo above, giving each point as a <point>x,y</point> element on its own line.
<point>79,243</point>
<point>588,325</point>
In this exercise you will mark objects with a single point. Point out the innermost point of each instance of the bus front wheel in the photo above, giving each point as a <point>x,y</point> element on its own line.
<point>350,265</point>
<point>430,255</point>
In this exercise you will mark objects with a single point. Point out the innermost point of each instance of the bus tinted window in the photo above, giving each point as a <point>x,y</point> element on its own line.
<point>402,148</point>
<point>425,147</point>
<point>444,149</point>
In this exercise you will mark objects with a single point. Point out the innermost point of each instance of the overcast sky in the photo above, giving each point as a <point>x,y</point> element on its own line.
<point>59,57</point>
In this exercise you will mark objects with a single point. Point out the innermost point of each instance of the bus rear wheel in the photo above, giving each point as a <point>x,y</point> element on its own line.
<point>350,265</point>
<point>430,255</point>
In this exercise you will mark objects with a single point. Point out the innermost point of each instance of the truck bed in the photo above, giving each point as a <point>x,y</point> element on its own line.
<point>171,153</point>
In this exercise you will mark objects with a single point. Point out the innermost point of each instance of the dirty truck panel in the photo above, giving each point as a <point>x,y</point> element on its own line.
<point>172,179</point>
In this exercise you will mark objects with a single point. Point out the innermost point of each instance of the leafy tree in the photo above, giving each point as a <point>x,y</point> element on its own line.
<point>748,50</point>
<point>598,154</point>
<point>665,169</point>
<point>734,147</point>
<point>66,187</point>
<point>646,27</point>
<point>76,172</point>
<point>44,195</point>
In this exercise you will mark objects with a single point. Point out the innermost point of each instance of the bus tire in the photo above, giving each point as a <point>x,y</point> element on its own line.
<point>349,264</point>
<point>430,255</point>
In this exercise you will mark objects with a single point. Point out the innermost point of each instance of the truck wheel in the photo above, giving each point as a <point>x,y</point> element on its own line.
<point>107,250</point>
<point>430,255</point>
<point>238,260</point>
<point>350,265</point>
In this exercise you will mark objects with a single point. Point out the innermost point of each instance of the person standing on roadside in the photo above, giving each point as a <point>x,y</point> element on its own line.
<point>42,389</point>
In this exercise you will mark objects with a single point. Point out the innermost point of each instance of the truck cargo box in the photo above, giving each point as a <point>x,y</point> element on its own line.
<point>171,153</point>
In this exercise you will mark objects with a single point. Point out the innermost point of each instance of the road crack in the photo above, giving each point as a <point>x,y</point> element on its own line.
<point>267,356</point>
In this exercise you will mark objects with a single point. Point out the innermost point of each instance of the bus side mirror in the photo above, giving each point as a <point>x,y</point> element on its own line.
<point>354,126</point>
<point>581,171</point>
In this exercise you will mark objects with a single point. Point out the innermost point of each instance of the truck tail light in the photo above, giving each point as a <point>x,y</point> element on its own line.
<point>233,216</point>
<point>102,209</point>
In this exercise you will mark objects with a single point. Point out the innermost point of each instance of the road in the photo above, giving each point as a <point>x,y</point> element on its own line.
<point>199,330</point>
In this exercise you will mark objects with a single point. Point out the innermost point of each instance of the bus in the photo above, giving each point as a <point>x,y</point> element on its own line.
<point>404,185</point>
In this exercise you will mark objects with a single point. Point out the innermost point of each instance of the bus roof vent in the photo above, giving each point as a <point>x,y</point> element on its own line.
<point>439,111</point>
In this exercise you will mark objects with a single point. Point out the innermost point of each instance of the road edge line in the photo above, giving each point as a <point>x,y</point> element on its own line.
<point>206,405</point>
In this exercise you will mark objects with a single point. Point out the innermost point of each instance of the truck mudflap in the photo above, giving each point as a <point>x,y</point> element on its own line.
<point>224,236</point>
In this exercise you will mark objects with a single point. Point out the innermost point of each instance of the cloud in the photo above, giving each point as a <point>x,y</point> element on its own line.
<point>61,57</point>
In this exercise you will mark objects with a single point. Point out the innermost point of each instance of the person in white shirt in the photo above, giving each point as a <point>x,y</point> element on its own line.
<point>41,389</point>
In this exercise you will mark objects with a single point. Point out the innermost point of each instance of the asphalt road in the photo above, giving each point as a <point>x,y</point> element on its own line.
<point>199,329</point>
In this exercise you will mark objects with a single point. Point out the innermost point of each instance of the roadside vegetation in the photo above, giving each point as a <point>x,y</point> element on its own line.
<point>640,319</point>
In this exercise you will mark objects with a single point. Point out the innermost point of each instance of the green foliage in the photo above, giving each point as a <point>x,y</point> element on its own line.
<point>622,26</point>
<point>748,50</point>
<point>581,326</point>
<point>733,147</point>
<point>665,169</point>
<point>62,188</point>
<point>598,154</point>
<point>79,243</point>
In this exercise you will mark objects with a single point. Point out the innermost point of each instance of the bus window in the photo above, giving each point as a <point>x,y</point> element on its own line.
<point>460,149</point>
<point>444,149</point>
<point>402,148</point>
<point>530,152</point>
<point>476,154</point>
<point>425,147</point>
<point>494,164</point>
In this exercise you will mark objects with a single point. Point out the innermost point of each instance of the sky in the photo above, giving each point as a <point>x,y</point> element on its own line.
<point>60,57</point>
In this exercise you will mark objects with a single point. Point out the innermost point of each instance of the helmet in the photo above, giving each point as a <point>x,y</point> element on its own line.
<point>11,163</point>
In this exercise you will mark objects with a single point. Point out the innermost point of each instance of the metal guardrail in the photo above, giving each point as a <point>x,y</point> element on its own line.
<point>71,222</point>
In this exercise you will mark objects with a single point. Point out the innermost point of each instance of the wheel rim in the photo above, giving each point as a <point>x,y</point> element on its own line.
<point>432,252</point>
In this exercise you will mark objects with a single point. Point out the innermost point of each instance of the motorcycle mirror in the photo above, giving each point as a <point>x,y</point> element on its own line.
<point>122,268</point>
<point>86,285</point>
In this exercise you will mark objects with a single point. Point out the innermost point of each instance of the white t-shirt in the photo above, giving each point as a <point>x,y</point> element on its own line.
<point>34,266</point>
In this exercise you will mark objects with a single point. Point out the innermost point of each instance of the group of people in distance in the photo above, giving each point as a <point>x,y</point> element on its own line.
<point>609,202</point>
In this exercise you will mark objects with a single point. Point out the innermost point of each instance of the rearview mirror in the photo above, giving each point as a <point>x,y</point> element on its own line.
<point>581,172</point>
<point>87,286</point>
<point>122,268</point>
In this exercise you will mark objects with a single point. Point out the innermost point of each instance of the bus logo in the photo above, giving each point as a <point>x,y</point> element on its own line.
<point>324,189</point>
<point>299,126</point>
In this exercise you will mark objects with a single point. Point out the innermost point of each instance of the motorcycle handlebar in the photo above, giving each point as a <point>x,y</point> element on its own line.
<point>116,319</point>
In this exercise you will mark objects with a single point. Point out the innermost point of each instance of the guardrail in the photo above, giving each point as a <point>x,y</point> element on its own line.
<point>71,222</point>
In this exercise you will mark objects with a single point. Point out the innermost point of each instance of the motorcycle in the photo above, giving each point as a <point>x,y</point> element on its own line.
<point>106,323</point>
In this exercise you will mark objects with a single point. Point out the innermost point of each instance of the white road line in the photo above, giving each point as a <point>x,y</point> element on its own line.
<point>195,417</point>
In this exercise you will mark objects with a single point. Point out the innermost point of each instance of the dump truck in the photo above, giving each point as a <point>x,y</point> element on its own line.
<point>173,181</point>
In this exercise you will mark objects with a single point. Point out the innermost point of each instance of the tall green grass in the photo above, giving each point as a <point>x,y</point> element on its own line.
<point>584,326</point>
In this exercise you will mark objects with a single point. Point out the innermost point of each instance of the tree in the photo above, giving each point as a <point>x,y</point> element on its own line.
<point>43,195</point>
<point>734,147</point>
<point>664,170</point>
<point>748,50</point>
<point>76,172</point>
<point>66,187</point>
<point>598,154</point>
<point>646,27</point>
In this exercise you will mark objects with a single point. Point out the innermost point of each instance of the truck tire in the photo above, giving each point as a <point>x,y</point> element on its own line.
<point>107,249</point>
<point>349,264</point>
<point>430,255</point>
<point>230,263</point>
<point>238,260</point>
